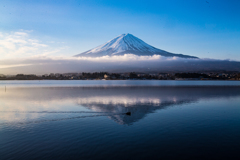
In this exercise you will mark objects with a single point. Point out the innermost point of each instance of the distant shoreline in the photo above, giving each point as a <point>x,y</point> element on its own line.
<point>227,75</point>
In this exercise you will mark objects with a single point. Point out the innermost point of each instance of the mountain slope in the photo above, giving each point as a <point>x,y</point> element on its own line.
<point>128,44</point>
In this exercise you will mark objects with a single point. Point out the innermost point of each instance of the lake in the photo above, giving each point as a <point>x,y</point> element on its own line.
<point>88,120</point>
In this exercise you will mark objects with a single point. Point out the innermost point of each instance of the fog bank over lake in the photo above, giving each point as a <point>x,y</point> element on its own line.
<point>125,63</point>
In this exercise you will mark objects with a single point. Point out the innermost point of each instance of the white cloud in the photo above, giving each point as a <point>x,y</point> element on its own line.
<point>21,34</point>
<point>14,65</point>
<point>125,57</point>
<point>21,44</point>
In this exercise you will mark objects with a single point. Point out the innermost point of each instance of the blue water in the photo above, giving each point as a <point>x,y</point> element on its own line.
<point>89,123</point>
<point>107,83</point>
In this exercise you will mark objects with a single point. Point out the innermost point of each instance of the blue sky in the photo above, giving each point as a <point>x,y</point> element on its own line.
<point>207,29</point>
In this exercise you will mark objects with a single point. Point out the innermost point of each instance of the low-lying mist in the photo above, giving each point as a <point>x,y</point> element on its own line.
<point>125,63</point>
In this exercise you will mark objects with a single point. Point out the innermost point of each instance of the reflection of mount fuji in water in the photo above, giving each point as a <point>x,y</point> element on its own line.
<point>140,101</point>
<point>138,110</point>
<point>143,101</point>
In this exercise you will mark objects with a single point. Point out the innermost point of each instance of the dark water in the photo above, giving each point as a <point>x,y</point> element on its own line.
<point>89,123</point>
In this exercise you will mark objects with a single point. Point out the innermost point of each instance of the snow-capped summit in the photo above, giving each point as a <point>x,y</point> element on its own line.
<point>127,44</point>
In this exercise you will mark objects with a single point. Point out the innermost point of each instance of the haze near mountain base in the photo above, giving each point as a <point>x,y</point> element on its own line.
<point>128,44</point>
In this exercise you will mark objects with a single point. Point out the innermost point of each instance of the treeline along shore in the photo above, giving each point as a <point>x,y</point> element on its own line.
<point>126,76</point>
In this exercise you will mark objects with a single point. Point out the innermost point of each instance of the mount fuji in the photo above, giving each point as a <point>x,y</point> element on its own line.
<point>128,44</point>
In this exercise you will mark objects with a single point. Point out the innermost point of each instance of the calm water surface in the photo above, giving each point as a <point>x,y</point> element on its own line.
<point>69,121</point>
<point>107,83</point>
